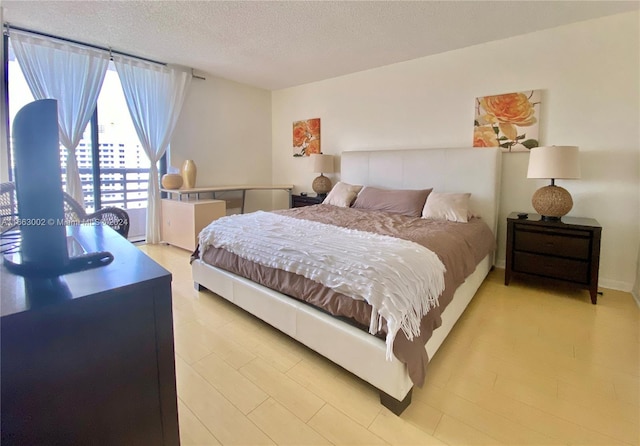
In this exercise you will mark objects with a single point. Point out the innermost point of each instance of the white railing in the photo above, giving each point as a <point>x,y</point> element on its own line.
<point>119,187</point>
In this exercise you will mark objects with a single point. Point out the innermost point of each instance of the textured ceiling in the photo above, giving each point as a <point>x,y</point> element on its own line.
<point>275,44</point>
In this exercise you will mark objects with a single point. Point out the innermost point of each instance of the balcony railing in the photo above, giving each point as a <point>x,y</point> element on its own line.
<point>120,187</point>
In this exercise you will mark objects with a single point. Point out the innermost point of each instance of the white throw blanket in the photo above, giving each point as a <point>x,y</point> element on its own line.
<point>401,280</point>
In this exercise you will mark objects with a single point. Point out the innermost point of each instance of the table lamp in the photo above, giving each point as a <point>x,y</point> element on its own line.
<point>322,164</point>
<point>553,162</point>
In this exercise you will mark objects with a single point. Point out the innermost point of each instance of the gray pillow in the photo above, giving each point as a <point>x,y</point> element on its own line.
<point>405,202</point>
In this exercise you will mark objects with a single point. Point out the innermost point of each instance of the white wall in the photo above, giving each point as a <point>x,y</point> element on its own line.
<point>4,151</point>
<point>589,74</point>
<point>225,127</point>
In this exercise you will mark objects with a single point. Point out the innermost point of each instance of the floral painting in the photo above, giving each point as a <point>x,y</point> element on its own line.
<point>306,137</point>
<point>507,120</point>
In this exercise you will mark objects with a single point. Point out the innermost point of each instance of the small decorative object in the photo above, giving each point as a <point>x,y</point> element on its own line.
<point>554,162</point>
<point>509,121</point>
<point>306,137</point>
<point>189,172</point>
<point>322,164</point>
<point>172,181</point>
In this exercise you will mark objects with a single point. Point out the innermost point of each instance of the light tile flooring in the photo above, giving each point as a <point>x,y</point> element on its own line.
<point>526,364</point>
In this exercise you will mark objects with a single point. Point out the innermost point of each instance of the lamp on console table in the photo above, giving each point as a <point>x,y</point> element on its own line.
<point>553,162</point>
<point>322,164</point>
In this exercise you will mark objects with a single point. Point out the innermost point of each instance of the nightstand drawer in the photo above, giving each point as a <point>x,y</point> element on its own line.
<point>555,267</point>
<point>574,244</point>
<point>298,201</point>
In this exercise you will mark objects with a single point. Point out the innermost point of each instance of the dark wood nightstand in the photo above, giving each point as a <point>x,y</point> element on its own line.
<point>298,201</point>
<point>568,250</point>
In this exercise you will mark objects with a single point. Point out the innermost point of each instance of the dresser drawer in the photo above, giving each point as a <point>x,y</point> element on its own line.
<point>554,267</point>
<point>574,244</point>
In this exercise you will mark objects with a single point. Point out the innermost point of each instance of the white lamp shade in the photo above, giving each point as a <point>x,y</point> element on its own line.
<point>554,162</point>
<point>322,163</point>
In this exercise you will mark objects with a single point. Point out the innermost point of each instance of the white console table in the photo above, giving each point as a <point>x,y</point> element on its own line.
<point>180,193</point>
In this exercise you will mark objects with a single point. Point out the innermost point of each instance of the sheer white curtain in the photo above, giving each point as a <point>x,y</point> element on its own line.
<point>71,74</point>
<point>154,95</point>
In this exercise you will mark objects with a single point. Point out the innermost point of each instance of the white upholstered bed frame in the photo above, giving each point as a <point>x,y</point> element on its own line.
<point>446,170</point>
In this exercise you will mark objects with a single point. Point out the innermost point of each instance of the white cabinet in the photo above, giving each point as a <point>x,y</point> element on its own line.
<point>182,221</point>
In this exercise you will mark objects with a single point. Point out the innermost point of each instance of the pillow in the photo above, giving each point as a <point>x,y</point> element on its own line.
<point>342,194</point>
<point>447,206</point>
<point>405,202</point>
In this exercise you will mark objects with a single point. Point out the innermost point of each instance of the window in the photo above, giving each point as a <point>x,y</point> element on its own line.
<point>111,160</point>
<point>128,176</point>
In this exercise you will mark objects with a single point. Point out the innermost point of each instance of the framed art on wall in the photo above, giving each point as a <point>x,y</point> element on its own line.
<point>306,137</point>
<point>509,121</point>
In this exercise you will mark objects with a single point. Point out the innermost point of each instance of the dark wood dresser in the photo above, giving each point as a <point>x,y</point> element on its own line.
<point>568,250</point>
<point>298,201</point>
<point>89,358</point>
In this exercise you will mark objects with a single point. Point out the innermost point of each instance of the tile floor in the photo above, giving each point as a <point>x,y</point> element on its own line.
<point>531,363</point>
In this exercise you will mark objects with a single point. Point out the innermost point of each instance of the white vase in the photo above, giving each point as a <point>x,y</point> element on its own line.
<point>189,172</point>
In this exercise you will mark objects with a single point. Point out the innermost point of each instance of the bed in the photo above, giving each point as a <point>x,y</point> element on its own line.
<point>445,170</point>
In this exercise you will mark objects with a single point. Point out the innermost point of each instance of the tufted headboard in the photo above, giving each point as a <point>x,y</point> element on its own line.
<point>475,170</point>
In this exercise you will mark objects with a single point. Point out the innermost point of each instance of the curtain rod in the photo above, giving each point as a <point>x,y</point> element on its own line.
<point>8,28</point>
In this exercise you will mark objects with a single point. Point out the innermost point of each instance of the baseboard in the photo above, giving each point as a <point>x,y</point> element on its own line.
<point>636,297</point>
<point>617,285</point>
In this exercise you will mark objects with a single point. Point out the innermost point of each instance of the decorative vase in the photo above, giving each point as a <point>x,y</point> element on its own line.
<point>189,172</point>
<point>171,181</point>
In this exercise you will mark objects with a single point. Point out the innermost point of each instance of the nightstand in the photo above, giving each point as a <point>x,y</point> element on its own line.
<point>567,250</point>
<point>298,201</point>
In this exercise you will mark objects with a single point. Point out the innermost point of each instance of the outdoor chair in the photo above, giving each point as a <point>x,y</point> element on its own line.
<point>116,218</point>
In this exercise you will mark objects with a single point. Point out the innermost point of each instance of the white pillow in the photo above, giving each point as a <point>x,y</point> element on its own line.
<point>447,206</point>
<point>342,195</point>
